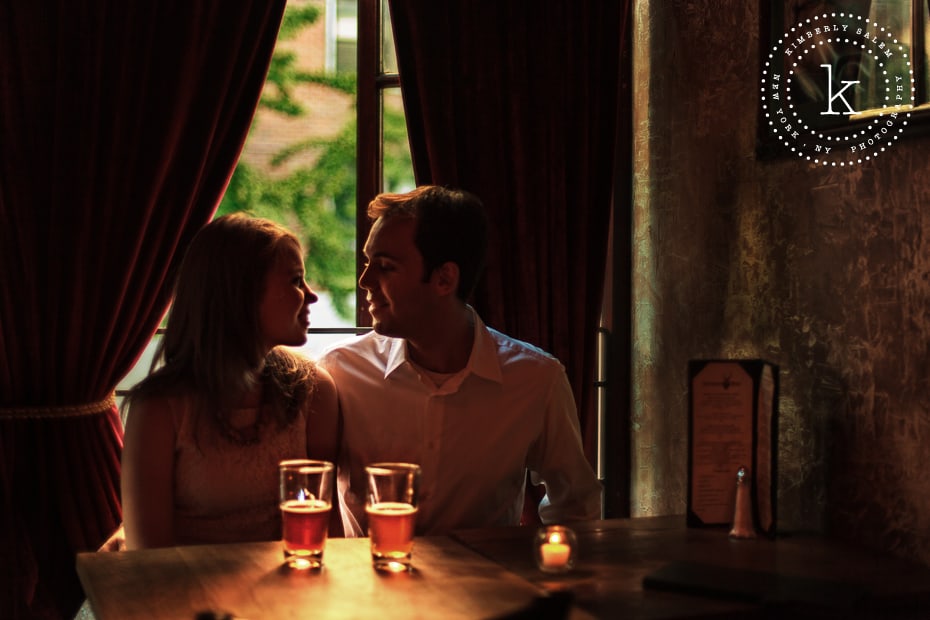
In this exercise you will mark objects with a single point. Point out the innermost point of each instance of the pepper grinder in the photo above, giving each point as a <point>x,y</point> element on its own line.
<point>743,526</point>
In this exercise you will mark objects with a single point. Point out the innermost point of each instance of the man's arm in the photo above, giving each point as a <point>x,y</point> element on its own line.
<point>557,459</point>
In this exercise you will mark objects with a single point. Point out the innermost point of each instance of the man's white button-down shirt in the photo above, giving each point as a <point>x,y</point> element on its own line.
<point>509,410</point>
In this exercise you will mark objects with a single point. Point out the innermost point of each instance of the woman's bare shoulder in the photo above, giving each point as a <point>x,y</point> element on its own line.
<point>325,397</point>
<point>323,425</point>
<point>157,410</point>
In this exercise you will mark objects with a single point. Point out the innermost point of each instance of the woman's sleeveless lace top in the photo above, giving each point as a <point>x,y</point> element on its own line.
<point>226,492</point>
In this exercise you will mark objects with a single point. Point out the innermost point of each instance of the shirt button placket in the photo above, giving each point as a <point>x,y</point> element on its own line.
<point>432,416</point>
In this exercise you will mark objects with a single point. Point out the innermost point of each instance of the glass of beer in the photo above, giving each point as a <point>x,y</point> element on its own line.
<point>305,497</point>
<point>391,507</point>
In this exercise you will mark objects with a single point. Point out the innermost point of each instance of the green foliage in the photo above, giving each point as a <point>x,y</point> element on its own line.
<point>296,19</point>
<point>283,74</point>
<point>397,167</point>
<point>279,85</point>
<point>317,203</point>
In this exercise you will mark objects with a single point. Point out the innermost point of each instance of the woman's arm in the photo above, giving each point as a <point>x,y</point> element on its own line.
<point>148,475</point>
<point>323,421</point>
<point>324,431</point>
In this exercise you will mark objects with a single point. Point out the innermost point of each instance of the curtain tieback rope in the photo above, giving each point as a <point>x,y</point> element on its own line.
<point>63,411</point>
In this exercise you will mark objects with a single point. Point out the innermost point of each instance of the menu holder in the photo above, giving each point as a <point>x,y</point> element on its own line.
<point>732,423</point>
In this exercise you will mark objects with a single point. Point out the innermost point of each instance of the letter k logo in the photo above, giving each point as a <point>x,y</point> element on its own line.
<point>831,96</point>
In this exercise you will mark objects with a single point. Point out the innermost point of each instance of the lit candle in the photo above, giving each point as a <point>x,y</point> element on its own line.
<point>555,554</point>
<point>555,548</point>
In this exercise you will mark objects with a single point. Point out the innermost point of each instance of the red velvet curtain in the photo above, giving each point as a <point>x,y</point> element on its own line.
<point>120,125</point>
<point>518,103</point>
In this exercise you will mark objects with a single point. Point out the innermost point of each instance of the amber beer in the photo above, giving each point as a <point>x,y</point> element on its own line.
<point>305,502</point>
<point>391,509</point>
<point>390,526</point>
<point>305,525</point>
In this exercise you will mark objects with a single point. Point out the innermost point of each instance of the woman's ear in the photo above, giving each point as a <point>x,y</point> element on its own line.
<point>446,278</point>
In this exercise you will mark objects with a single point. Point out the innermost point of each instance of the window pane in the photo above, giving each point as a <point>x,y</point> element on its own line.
<point>895,17</point>
<point>388,57</point>
<point>346,35</point>
<point>924,78</point>
<point>137,373</point>
<point>851,76</point>
<point>298,166</point>
<point>397,164</point>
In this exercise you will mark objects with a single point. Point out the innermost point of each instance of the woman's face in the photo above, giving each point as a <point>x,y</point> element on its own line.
<point>284,310</point>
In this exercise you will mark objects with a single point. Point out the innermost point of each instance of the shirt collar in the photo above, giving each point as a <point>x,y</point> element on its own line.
<point>397,355</point>
<point>482,362</point>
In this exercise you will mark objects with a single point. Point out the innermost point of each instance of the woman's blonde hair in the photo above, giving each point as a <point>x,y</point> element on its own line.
<point>213,346</point>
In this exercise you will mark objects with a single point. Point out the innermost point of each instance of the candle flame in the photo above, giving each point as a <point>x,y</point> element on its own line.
<point>305,495</point>
<point>555,537</point>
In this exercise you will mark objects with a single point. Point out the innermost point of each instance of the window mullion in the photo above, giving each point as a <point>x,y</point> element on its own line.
<point>369,130</point>
<point>918,50</point>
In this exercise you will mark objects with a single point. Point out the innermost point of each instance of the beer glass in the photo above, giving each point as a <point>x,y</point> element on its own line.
<point>305,497</point>
<point>391,507</point>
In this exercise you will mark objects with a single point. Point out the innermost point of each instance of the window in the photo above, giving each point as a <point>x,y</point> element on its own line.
<point>842,64</point>
<point>909,22</point>
<point>322,144</point>
<point>384,151</point>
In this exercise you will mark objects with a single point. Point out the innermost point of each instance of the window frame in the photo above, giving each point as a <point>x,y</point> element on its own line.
<point>372,82</point>
<point>772,26</point>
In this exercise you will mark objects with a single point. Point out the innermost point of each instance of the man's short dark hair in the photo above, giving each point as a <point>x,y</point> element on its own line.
<point>451,226</point>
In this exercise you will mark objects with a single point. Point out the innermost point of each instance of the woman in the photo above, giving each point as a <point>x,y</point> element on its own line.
<point>225,402</point>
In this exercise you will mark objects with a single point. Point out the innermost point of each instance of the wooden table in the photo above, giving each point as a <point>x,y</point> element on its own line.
<point>490,574</point>
<point>702,573</point>
<point>249,581</point>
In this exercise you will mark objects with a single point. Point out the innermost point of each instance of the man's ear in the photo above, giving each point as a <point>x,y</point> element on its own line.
<point>446,278</point>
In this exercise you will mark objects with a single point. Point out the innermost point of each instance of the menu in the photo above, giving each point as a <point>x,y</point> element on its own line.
<point>732,417</point>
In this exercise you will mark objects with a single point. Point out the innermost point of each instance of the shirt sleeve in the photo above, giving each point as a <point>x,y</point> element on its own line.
<point>557,460</point>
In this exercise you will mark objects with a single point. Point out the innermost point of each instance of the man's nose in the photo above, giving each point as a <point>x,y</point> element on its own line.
<point>363,280</point>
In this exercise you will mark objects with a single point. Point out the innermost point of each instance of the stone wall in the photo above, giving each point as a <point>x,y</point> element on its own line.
<point>823,271</point>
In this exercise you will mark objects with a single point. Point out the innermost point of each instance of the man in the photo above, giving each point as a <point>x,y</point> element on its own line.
<point>433,385</point>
